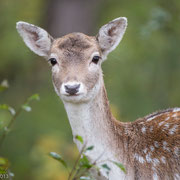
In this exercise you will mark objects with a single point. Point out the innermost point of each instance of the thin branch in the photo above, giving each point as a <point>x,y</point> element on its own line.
<point>77,161</point>
<point>87,169</point>
<point>11,123</point>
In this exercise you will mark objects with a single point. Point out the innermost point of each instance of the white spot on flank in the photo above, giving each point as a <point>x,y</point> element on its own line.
<point>176,109</point>
<point>163,159</point>
<point>164,143</point>
<point>143,129</point>
<point>156,144</point>
<point>145,150</point>
<point>173,129</point>
<point>167,118</point>
<point>165,146</point>
<point>155,176</point>
<point>174,115</point>
<point>176,176</point>
<point>155,161</point>
<point>152,148</point>
<point>176,151</point>
<point>139,158</point>
<point>166,126</point>
<point>161,123</point>
<point>151,129</point>
<point>148,158</point>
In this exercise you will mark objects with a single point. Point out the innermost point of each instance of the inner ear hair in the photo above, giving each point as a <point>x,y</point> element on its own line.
<point>36,38</point>
<point>110,35</point>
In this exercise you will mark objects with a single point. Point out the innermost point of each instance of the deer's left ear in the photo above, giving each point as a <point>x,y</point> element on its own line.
<point>36,38</point>
<point>110,35</point>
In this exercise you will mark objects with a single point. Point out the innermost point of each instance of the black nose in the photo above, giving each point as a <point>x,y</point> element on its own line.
<point>72,89</point>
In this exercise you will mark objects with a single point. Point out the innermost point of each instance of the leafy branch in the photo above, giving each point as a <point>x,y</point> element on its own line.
<point>82,165</point>
<point>15,114</point>
<point>4,163</point>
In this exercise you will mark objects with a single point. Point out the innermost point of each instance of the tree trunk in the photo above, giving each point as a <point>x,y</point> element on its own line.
<point>66,16</point>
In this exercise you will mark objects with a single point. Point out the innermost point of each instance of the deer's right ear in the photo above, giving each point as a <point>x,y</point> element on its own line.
<point>36,38</point>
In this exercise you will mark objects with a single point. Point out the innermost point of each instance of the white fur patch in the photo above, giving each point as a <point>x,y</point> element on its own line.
<point>177,176</point>
<point>160,124</point>
<point>173,129</point>
<point>145,150</point>
<point>152,148</point>
<point>174,115</point>
<point>177,151</point>
<point>167,118</point>
<point>148,158</point>
<point>165,146</point>
<point>151,129</point>
<point>156,144</point>
<point>166,126</point>
<point>163,159</point>
<point>155,161</point>
<point>155,176</point>
<point>143,130</point>
<point>176,109</point>
<point>139,158</point>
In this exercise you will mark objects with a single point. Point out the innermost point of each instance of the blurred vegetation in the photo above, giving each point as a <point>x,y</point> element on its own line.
<point>141,76</point>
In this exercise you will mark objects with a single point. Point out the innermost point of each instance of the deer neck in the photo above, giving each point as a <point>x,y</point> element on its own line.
<point>94,122</point>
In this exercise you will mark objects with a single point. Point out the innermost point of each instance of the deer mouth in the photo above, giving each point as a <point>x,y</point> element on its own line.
<point>72,95</point>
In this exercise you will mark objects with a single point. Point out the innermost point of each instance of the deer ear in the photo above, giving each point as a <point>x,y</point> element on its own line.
<point>36,38</point>
<point>110,35</point>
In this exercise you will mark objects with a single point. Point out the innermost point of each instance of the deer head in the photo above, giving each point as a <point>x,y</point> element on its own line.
<point>75,58</point>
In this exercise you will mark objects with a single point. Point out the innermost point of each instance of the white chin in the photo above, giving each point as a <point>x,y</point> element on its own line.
<point>73,98</point>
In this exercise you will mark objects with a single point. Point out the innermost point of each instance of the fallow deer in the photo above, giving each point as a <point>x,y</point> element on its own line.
<point>149,147</point>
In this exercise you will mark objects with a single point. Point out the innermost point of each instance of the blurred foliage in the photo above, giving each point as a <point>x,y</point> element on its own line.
<point>141,76</point>
<point>7,127</point>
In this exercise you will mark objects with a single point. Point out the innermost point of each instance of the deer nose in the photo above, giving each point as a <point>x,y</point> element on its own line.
<point>72,89</point>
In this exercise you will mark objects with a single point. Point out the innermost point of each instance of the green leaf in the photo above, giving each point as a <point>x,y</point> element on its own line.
<point>26,107</point>
<point>57,157</point>
<point>4,165</point>
<point>79,138</point>
<point>34,97</point>
<point>9,108</point>
<point>84,162</point>
<point>4,85</point>
<point>89,148</point>
<point>105,166</point>
<point>4,106</point>
<point>119,165</point>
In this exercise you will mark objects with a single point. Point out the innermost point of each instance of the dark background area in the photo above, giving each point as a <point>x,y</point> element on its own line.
<point>141,75</point>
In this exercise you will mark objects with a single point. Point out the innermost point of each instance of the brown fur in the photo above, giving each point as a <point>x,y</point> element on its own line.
<point>156,142</point>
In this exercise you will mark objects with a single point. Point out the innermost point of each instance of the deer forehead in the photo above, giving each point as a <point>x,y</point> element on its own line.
<point>75,47</point>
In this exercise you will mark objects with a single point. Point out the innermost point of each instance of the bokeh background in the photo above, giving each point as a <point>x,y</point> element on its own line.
<point>142,75</point>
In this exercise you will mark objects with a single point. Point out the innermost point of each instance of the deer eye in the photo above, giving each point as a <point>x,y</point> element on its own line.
<point>53,61</point>
<point>95,59</point>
